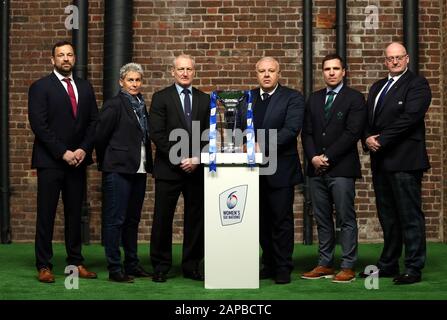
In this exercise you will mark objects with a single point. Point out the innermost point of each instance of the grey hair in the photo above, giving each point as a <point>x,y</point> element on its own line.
<point>186,56</point>
<point>269,59</point>
<point>135,67</point>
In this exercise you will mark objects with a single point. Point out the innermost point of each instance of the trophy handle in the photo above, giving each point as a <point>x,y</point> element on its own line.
<point>221,131</point>
<point>233,136</point>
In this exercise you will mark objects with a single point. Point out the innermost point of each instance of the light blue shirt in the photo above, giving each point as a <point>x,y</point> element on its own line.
<point>336,90</point>
<point>182,95</point>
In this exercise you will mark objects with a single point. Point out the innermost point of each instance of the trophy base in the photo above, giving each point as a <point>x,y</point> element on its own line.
<point>230,148</point>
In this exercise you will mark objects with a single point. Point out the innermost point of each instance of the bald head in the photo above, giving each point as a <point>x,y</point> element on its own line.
<point>396,58</point>
<point>267,73</point>
<point>268,59</point>
<point>395,47</point>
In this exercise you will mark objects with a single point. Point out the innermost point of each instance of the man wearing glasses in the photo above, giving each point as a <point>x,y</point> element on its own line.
<point>395,138</point>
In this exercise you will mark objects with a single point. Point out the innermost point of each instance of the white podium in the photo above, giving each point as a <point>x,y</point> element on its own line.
<point>231,222</point>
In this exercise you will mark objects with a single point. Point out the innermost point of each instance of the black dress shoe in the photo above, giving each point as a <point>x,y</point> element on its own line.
<point>406,279</point>
<point>194,275</point>
<point>139,272</point>
<point>159,277</point>
<point>265,274</point>
<point>282,278</point>
<point>382,274</point>
<point>120,277</point>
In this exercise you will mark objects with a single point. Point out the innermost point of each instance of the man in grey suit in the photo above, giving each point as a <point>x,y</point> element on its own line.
<point>333,124</point>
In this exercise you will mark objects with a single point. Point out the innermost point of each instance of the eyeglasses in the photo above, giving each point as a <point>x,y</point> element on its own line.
<point>398,58</point>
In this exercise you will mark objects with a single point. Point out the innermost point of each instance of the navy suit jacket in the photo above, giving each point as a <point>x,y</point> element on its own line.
<point>165,115</point>
<point>118,138</point>
<point>336,137</point>
<point>400,124</point>
<point>285,113</point>
<point>55,128</point>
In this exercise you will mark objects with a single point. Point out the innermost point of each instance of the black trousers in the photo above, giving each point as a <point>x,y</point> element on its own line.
<point>167,193</point>
<point>276,227</point>
<point>398,200</point>
<point>50,184</point>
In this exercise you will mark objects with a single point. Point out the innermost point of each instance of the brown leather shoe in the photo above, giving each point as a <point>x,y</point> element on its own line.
<point>45,275</point>
<point>319,272</point>
<point>344,276</point>
<point>84,273</point>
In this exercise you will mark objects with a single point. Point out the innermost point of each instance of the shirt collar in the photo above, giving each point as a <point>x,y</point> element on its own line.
<point>180,88</point>
<point>395,78</point>
<point>270,93</point>
<point>336,89</point>
<point>61,77</point>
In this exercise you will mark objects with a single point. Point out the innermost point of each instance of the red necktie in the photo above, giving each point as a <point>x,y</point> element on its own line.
<point>72,96</point>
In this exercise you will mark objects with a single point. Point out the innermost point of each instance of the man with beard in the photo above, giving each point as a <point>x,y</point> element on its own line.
<point>62,113</point>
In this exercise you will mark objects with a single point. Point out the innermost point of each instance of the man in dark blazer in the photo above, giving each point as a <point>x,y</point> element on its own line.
<point>333,124</point>
<point>124,155</point>
<point>276,107</point>
<point>62,113</point>
<point>395,137</point>
<point>184,109</point>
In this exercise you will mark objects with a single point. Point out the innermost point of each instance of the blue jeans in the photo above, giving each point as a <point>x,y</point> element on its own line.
<point>123,196</point>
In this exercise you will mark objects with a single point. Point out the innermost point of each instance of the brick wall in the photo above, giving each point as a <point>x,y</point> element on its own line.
<point>430,44</point>
<point>34,25</point>
<point>226,37</point>
<point>444,125</point>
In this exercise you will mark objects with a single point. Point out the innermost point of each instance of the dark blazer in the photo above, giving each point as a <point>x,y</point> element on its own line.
<point>400,124</point>
<point>118,138</point>
<point>166,114</point>
<point>284,113</point>
<point>337,136</point>
<point>55,128</point>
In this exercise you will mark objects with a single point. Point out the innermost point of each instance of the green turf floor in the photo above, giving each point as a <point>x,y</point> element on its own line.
<point>18,279</point>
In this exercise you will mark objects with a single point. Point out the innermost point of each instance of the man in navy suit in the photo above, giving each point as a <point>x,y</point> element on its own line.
<point>395,137</point>
<point>62,113</point>
<point>276,107</point>
<point>333,124</point>
<point>178,108</point>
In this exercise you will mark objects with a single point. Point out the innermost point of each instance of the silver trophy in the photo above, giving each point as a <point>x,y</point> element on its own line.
<point>229,102</point>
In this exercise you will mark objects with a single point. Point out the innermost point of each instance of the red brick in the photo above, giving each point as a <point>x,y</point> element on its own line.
<point>227,38</point>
